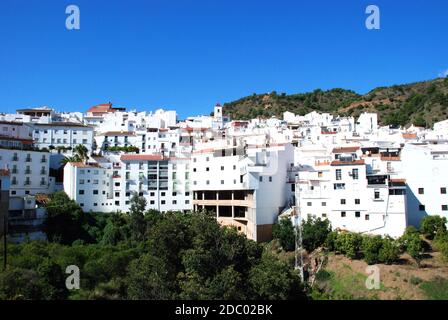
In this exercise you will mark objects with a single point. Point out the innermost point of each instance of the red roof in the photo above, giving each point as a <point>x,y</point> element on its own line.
<point>347,163</point>
<point>141,157</point>
<point>345,149</point>
<point>103,108</point>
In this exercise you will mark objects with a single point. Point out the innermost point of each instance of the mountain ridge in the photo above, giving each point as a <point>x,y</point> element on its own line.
<point>420,103</point>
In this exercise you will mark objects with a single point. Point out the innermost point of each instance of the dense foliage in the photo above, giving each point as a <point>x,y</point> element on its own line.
<point>144,255</point>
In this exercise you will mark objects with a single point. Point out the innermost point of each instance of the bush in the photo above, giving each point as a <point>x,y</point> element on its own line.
<point>389,251</point>
<point>431,225</point>
<point>411,243</point>
<point>415,280</point>
<point>284,232</point>
<point>314,233</point>
<point>330,242</point>
<point>371,246</point>
<point>348,243</point>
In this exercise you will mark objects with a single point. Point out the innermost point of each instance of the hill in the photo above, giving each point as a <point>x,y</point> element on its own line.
<point>420,103</point>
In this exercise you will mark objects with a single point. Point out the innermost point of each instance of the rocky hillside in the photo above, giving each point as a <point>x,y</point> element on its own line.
<point>421,103</point>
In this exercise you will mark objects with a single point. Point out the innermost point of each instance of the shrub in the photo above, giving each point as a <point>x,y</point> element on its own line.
<point>330,242</point>
<point>371,246</point>
<point>431,225</point>
<point>348,243</point>
<point>411,243</point>
<point>389,251</point>
<point>284,232</point>
<point>314,233</point>
<point>415,280</point>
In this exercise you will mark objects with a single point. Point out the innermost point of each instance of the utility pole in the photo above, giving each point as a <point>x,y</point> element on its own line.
<point>5,242</point>
<point>298,233</point>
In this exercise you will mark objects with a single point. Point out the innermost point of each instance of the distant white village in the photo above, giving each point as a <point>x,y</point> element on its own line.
<point>358,175</point>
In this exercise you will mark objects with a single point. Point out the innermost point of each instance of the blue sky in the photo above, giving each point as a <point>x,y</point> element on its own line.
<point>189,54</point>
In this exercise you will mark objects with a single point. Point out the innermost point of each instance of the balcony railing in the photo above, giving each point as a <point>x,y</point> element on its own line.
<point>43,171</point>
<point>28,160</point>
<point>27,171</point>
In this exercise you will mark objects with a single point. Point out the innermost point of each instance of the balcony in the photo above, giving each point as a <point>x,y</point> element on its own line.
<point>27,159</point>
<point>43,160</point>
<point>27,182</point>
<point>43,171</point>
<point>27,171</point>
<point>15,158</point>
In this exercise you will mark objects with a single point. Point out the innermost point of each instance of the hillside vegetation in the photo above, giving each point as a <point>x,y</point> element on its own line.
<point>420,103</point>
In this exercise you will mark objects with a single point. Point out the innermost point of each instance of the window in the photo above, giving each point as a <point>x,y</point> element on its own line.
<point>95,181</point>
<point>95,204</point>
<point>151,202</point>
<point>421,190</point>
<point>174,194</point>
<point>444,207</point>
<point>339,186</point>
<point>355,174</point>
<point>95,191</point>
<point>194,169</point>
<point>338,174</point>
<point>234,167</point>
<point>207,182</point>
<point>162,194</point>
<point>443,190</point>
<point>377,194</point>
<point>421,207</point>
<point>222,181</point>
<point>367,217</point>
<point>357,201</point>
<point>207,159</point>
<point>324,204</point>
<point>270,179</point>
<point>357,214</point>
<point>207,169</point>
<point>81,181</point>
<point>174,201</point>
<point>81,192</point>
<point>261,179</point>
<point>222,168</point>
<point>152,194</point>
<point>343,214</point>
<point>187,194</point>
<point>320,174</point>
<point>187,201</point>
<point>324,215</point>
<point>309,204</point>
<point>162,202</point>
<point>117,203</point>
<point>342,201</point>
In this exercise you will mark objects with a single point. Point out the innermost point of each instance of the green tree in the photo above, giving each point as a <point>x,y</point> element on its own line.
<point>314,233</point>
<point>64,220</point>
<point>430,226</point>
<point>348,243</point>
<point>412,244</point>
<point>273,279</point>
<point>137,217</point>
<point>371,246</point>
<point>389,251</point>
<point>284,232</point>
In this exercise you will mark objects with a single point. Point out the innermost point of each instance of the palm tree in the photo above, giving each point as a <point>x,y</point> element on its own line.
<point>81,152</point>
<point>66,160</point>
